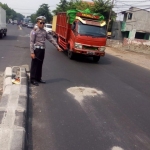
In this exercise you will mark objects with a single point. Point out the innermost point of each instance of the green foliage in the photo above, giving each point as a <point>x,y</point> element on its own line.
<point>61,7</point>
<point>33,18</point>
<point>11,14</point>
<point>65,5</point>
<point>42,11</point>
<point>101,7</point>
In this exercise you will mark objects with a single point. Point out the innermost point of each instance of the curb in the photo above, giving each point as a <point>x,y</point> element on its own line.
<point>13,110</point>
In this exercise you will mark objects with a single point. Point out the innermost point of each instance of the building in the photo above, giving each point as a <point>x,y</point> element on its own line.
<point>136,24</point>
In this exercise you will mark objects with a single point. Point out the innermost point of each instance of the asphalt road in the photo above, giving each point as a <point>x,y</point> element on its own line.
<point>118,118</point>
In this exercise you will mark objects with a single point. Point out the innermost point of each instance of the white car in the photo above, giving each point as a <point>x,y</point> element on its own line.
<point>48,28</point>
<point>30,25</point>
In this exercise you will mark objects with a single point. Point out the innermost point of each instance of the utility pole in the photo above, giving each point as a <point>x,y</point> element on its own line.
<point>110,12</point>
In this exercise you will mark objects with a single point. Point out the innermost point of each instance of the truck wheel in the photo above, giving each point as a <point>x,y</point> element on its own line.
<point>1,35</point>
<point>70,54</point>
<point>96,58</point>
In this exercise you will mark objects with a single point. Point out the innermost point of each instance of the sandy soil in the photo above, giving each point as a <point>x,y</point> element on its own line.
<point>139,59</point>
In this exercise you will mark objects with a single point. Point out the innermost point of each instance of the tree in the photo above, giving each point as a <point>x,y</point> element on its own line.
<point>10,13</point>
<point>102,7</point>
<point>33,18</point>
<point>44,11</point>
<point>61,7</point>
<point>64,5</point>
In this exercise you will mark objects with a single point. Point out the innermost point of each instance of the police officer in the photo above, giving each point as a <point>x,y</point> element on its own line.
<point>37,48</point>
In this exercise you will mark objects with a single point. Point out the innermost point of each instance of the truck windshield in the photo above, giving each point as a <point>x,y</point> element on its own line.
<point>96,31</point>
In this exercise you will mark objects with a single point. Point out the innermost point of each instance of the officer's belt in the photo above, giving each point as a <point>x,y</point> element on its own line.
<point>39,47</point>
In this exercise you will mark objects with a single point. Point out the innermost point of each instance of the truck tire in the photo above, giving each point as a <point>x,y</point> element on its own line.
<point>1,35</point>
<point>70,54</point>
<point>96,58</point>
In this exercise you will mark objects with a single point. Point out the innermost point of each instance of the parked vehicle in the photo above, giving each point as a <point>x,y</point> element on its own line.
<point>3,27</point>
<point>15,21</point>
<point>26,21</point>
<point>10,21</point>
<point>48,28</point>
<point>24,24</point>
<point>30,25</point>
<point>86,35</point>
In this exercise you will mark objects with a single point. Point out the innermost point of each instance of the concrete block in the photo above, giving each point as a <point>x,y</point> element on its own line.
<point>8,72</point>
<point>18,139</point>
<point>24,81</point>
<point>22,69</point>
<point>26,67</point>
<point>15,89</point>
<point>7,81</point>
<point>20,118</point>
<point>4,102</point>
<point>7,89</point>
<point>13,110</point>
<point>23,74</point>
<point>2,114</point>
<point>23,90</point>
<point>22,103</point>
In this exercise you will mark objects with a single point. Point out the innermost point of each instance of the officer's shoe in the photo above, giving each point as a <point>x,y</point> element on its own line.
<point>34,83</point>
<point>41,81</point>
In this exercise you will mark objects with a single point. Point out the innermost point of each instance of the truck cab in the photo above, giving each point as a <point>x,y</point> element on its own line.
<point>87,39</point>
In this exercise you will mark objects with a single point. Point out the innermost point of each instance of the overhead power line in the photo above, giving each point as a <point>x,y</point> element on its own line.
<point>133,4</point>
<point>137,10</point>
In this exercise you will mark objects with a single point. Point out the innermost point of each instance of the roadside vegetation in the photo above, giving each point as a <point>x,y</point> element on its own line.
<point>10,13</point>
<point>102,7</point>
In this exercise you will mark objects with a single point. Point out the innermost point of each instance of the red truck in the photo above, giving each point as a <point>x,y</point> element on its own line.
<point>86,35</point>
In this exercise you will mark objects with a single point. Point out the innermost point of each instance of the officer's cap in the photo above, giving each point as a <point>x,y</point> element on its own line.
<point>41,18</point>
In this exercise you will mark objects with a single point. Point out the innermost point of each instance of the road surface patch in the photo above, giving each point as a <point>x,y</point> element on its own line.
<point>80,93</point>
<point>117,148</point>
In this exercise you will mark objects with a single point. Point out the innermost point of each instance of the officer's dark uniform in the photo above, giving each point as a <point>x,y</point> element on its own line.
<point>37,46</point>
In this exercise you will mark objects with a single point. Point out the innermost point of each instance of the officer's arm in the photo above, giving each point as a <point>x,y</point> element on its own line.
<point>32,41</point>
<point>51,39</point>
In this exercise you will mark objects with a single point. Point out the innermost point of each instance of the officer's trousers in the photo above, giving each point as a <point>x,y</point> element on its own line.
<point>36,64</point>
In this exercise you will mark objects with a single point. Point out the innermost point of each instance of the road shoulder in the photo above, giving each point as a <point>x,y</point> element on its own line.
<point>139,59</point>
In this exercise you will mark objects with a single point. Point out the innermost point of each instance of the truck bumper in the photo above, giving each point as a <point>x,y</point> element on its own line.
<point>89,52</point>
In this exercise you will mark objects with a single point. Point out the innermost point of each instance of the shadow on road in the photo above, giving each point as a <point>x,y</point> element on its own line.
<point>85,59</point>
<point>10,37</point>
<point>57,80</point>
<point>29,137</point>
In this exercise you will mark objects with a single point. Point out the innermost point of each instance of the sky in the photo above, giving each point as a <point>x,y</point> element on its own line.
<point>28,7</point>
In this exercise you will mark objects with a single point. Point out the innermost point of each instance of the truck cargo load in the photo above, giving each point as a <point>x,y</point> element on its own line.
<point>3,27</point>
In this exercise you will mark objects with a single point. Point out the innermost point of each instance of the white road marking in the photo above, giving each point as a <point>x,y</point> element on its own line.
<point>20,28</point>
<point>80,93</point>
